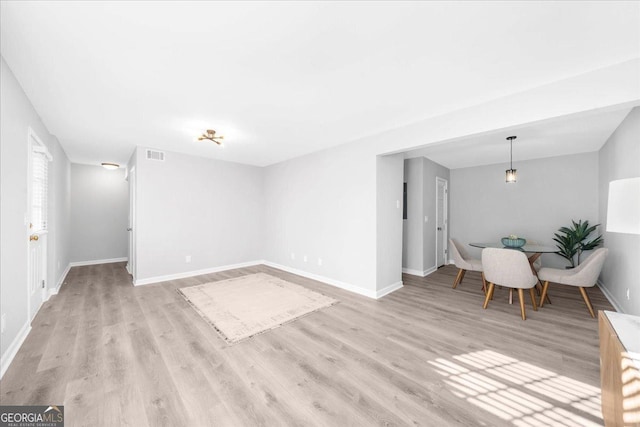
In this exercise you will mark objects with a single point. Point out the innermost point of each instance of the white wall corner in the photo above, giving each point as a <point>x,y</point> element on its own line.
<point>176,276</point>
<point>63,276</point>
<point>610,296</point>
<point>338,284</point>
<point>388,289</point>
<point>429,271</point>
<point>12,350</point>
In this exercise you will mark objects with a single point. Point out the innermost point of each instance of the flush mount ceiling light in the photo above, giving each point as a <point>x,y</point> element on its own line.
<point>210,134</point>
<point>110,166</point>
<point>511,172</point>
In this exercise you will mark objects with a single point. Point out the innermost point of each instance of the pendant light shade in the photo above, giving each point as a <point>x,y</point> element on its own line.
<point>512,175</point>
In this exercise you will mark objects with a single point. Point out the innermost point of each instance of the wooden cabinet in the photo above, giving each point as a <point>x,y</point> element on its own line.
<point>620,368</point>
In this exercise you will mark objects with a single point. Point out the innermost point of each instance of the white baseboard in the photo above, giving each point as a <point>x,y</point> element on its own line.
<point>12,350</point>
<point>54,291</point>
<point>185,274</point>
<point>610,297</point>
<point>418,272</point>
<point>412,272</point>
<point>387,290</point>
<point>342,285</point>
<point>429,271</point>
<point>338,284</point>
<point>97,261</point>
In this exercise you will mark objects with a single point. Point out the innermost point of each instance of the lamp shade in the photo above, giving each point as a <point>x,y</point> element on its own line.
<point>623,208</point>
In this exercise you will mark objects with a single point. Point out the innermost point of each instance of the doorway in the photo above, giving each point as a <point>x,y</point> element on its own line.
<point>441,222</point>
<point>37,208</point>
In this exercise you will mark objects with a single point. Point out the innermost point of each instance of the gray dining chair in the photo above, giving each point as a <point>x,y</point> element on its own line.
<point>464,263</point>
<point>511,269</point>
<point>583,276</point>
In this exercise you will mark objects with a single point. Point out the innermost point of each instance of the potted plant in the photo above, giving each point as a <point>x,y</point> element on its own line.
<point>572,241</point>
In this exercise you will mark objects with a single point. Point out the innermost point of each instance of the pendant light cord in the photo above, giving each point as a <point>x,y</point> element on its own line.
<point>511,138</point>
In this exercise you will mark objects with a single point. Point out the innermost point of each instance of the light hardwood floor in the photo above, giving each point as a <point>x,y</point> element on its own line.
<point>423,355</point>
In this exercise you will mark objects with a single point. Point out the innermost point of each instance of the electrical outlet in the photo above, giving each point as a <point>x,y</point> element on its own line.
<point>304,258</point>
<point>319,261</point>
<point>426,218</point>
<point>398,204</point>
<point>628,295</point>
<point>293,256</point>
<point>58,265</point>
<point>187,259</point>
<point>3,323</point>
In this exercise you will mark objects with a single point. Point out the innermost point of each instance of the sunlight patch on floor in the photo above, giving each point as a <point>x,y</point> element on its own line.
<point>519,392</point>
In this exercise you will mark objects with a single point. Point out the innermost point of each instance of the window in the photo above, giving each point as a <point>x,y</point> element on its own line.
<point>40,158</point>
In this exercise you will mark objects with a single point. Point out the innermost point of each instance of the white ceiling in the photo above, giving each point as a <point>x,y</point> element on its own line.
<point>581,134</point>
<point>281,79</point>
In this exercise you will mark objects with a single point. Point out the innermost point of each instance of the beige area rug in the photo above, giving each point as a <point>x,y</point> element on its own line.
<point>245,306</point>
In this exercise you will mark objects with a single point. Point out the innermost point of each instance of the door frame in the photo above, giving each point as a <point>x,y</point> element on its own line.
<point>32,141</point>
<point>131,261</point>
<point>445,214</point>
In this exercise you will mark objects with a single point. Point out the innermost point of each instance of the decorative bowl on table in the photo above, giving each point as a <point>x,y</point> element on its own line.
<point>513,242</point>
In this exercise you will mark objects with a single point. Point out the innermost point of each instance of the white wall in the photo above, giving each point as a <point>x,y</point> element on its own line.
<point>620,158</point>
<point>17,115</point>
<point>389,175</point>
<point>99,213</point>
<point>323,205</point>
<point>548,195</point>
<point>59,238</point>
<point>209,209</point>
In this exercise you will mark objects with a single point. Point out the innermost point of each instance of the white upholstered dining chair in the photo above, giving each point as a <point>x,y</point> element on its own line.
<point>583,276</point>
<point>509,268</point>
<point>464,263</point>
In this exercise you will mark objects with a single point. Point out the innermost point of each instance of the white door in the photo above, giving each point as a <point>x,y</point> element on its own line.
<point>131,264</point>
<point>37,268</point>
<point>441,222</point>
<point>37,206</point>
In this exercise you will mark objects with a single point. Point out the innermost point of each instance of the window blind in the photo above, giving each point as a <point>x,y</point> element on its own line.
<point>39,188</point>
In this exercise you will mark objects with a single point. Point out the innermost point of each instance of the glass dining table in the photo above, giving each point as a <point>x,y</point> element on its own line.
<point>533,252</point>
<point>534,249</point>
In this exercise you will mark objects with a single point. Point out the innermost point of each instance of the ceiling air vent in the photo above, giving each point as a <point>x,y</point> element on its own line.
<point>155,155</point>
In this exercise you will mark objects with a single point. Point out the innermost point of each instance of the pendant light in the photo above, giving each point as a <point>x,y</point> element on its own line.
<point>511,172</point>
